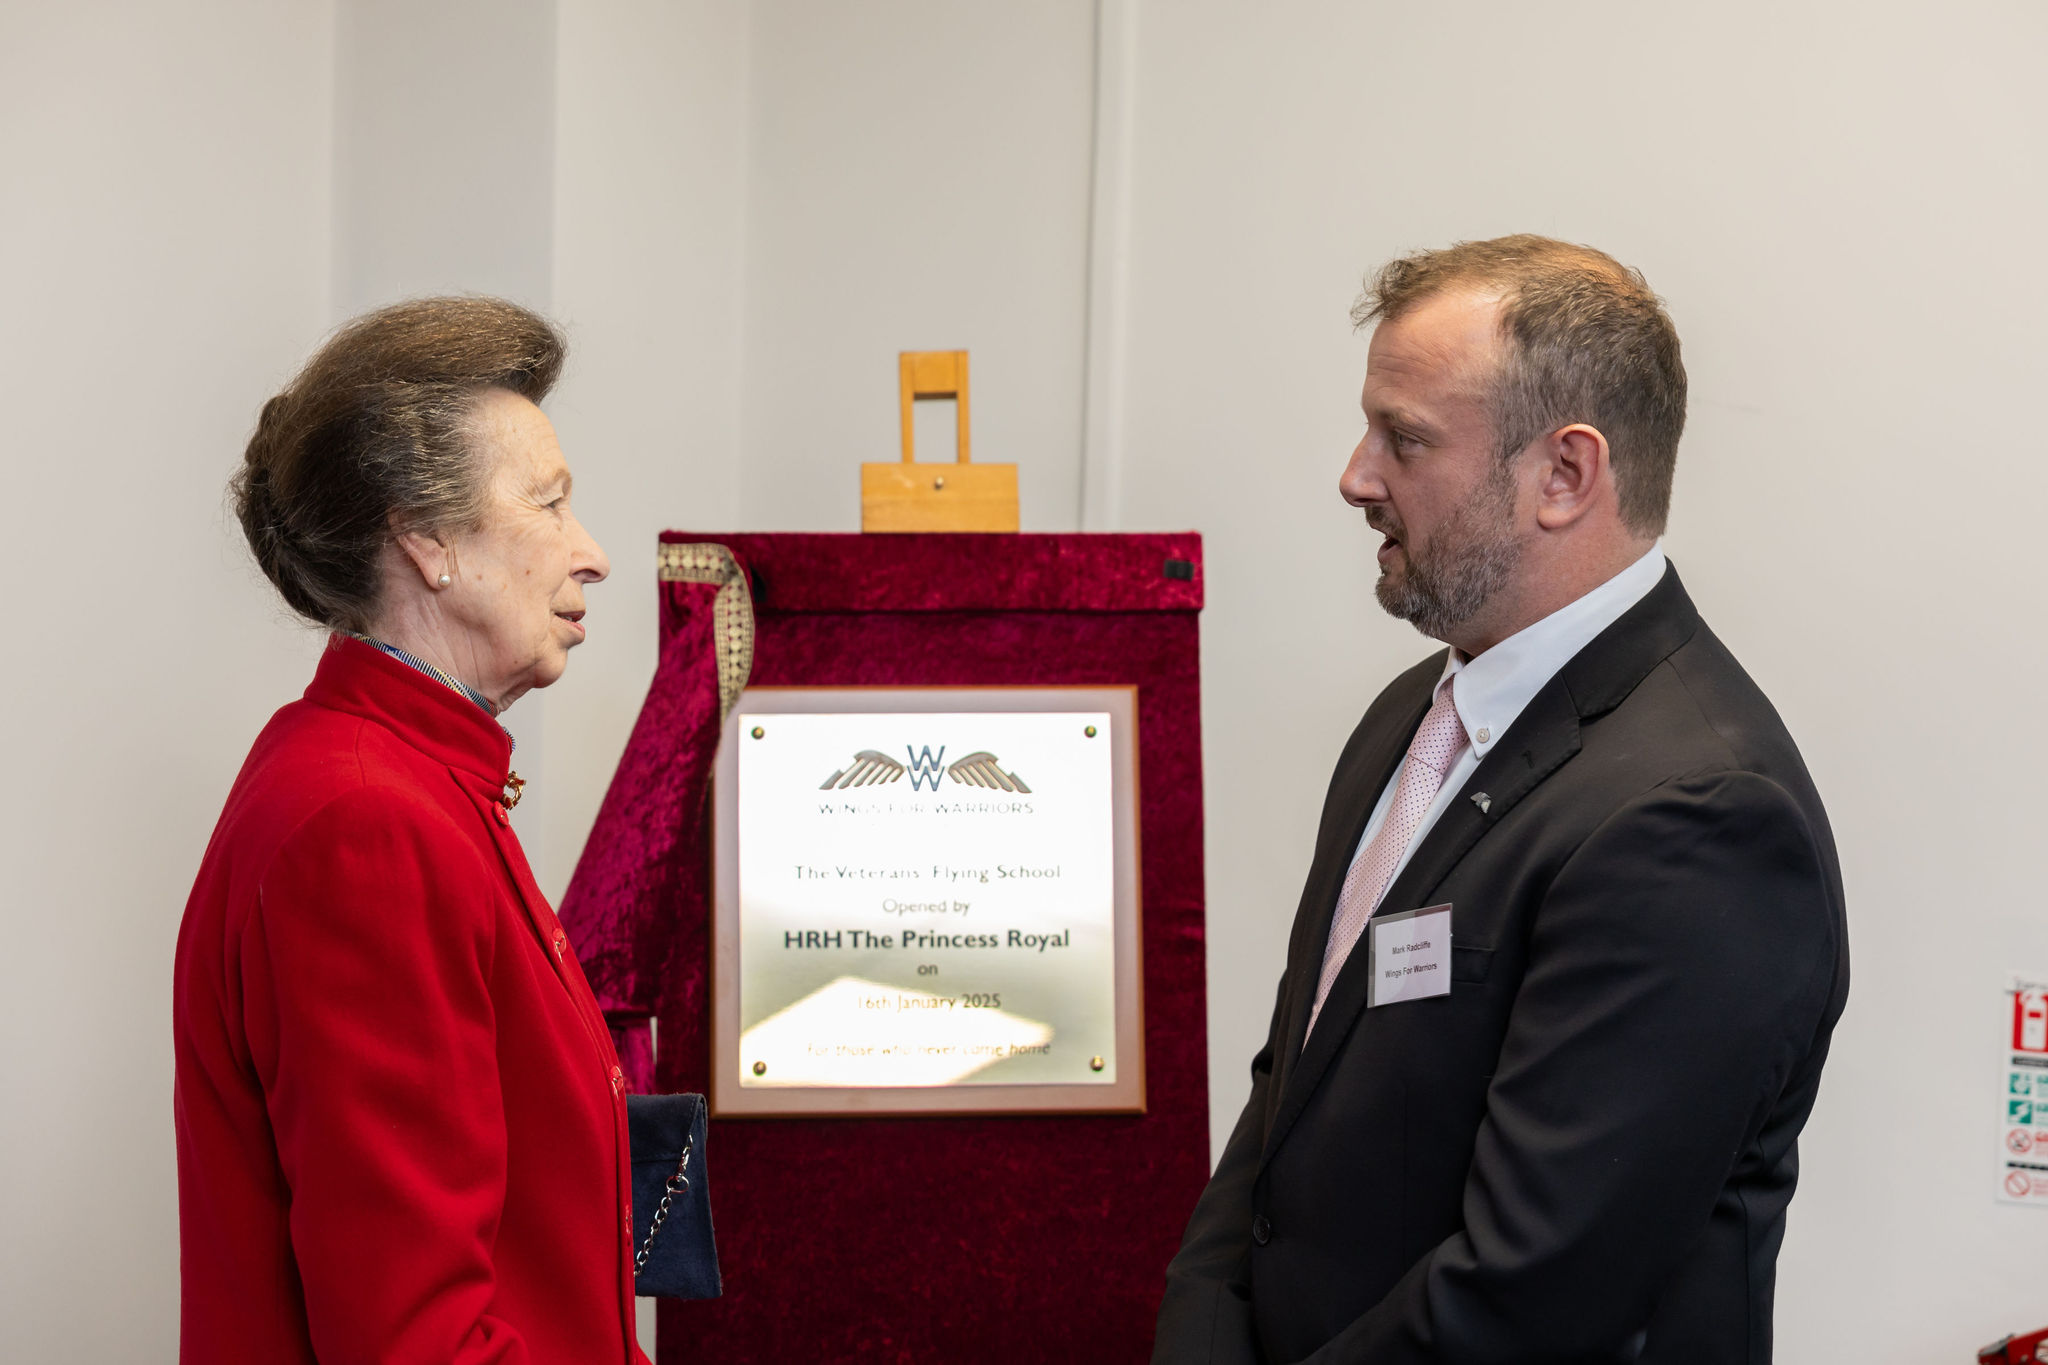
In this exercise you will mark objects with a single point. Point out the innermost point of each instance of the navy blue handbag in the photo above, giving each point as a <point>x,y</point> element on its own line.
<point>674,1254</point>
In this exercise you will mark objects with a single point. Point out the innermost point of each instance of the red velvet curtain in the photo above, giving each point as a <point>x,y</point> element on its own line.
<point>917,1239</point>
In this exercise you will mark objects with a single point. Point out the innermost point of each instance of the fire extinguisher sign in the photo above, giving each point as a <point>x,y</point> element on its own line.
<point>2023,1101</point>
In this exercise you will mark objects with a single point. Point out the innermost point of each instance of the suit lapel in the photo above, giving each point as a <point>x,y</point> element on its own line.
<point>1356,793</point>
<point>1543,739</point>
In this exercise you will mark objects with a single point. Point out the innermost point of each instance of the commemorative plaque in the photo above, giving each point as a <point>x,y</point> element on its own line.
<point>926,901</point>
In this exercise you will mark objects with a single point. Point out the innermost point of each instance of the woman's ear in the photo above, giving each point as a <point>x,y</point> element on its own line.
<point>1575,475</point>
<point>434,561</point>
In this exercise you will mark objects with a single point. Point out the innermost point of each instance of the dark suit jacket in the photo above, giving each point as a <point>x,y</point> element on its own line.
<point>1583,1152</point>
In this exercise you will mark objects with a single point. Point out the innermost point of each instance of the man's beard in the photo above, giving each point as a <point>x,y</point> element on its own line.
<point>1468,559</point>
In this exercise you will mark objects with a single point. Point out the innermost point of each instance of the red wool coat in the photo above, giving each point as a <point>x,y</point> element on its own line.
<point>401,1125</point>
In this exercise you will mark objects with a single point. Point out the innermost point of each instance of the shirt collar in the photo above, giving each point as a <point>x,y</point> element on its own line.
<point>1492,690</point>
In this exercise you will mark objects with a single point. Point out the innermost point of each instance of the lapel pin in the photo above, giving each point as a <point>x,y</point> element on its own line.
<point>1483,801</point>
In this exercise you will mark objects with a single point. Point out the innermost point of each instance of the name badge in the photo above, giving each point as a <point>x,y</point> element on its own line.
<point>1411,955</point>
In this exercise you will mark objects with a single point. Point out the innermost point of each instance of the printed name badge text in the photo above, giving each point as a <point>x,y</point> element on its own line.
<point>1411,955</point>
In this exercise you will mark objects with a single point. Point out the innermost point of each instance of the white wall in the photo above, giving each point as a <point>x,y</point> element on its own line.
<point>741,211</point>
<point>444,150</point>
<point>164,256</point>
<point>918,181</point>
<point>651,132</point>
<point>1840,203</point>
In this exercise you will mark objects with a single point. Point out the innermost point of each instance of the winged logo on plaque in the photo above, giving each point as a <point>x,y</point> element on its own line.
<point>868,768</point>
<point>871,767</point>
<point>979,769</point>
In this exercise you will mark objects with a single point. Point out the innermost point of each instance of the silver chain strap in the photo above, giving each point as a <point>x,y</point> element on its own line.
<point>677,1183</point>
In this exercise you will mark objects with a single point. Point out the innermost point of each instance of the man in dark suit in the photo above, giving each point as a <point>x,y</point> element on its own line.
<point>1553,1115</point>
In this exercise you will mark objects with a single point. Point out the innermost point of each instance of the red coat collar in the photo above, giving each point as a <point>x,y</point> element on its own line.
<point>359,680</point>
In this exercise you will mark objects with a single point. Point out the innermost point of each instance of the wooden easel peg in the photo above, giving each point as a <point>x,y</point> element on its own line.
<point>908,496</point>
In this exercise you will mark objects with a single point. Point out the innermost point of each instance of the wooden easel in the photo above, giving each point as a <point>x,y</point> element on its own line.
<point>908,496</point>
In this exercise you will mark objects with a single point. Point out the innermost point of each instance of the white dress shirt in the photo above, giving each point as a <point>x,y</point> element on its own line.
<point>1491,690</point>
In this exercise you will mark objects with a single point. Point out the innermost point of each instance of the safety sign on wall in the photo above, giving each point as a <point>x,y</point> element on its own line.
<point>2023,1130</point>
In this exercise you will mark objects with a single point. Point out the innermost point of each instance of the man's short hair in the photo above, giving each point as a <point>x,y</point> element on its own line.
<point>1586,341</point>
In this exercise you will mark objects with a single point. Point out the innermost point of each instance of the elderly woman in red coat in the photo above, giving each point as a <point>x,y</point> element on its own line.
<point>401,1126</point>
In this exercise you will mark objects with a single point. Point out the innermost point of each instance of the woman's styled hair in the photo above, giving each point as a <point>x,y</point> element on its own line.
<point>375,437</point>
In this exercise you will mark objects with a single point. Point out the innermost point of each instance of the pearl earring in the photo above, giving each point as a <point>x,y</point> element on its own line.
<point>445,580</point>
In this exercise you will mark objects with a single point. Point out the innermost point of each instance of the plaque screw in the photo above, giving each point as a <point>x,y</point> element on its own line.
<point>759,732</point>
<point>1095,1063</point>
<point>1090,732</point>
<point>760,1068</point>
<point>939,482</point>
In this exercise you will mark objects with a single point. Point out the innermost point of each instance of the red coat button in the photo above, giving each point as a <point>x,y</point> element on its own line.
<point>561,944</point>
<point>504,816</point>
<point>618,1081</point>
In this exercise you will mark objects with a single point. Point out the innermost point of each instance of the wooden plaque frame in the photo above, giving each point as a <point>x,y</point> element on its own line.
<point>1125,1095</point>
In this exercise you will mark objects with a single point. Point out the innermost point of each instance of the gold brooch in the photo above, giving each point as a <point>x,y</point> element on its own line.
<point>514,785</point>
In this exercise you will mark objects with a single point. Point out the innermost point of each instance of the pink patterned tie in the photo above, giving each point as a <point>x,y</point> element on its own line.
<point>1431,753</point>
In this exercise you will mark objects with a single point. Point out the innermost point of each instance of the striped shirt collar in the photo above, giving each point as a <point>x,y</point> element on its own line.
<point>413,661</point>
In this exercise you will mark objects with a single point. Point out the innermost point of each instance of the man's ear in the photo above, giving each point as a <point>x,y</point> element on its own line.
<point>428,556</point>
<point>1575,475</point>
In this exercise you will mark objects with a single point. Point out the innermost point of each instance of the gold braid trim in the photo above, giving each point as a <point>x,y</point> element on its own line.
<point>732,610</point>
